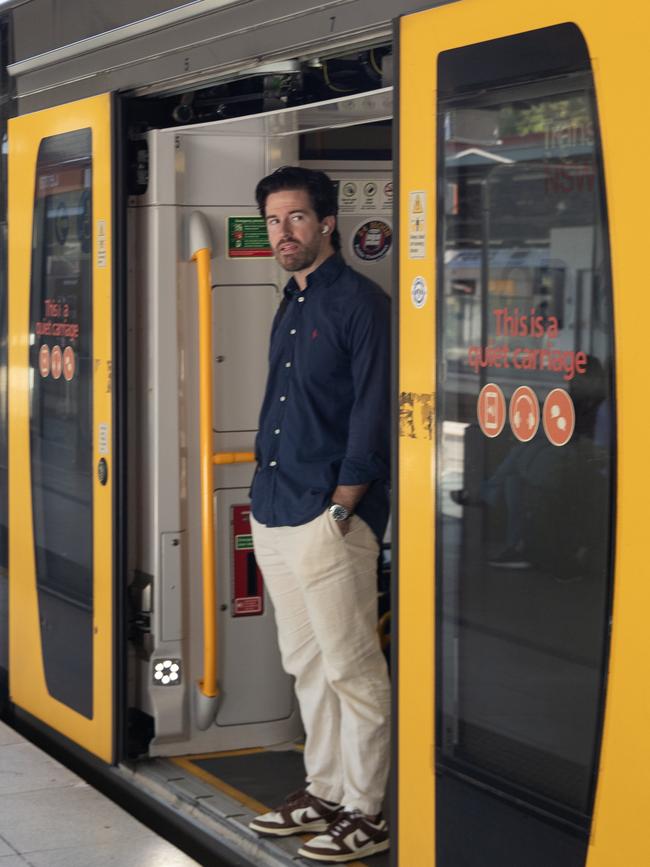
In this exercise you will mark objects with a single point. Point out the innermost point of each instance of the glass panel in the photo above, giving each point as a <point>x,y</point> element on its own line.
<point>61,413</point>
<point>525,425</point>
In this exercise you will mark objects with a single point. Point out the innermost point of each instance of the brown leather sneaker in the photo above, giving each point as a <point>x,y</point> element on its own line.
<point>352,835</point>
<point>301,813</point>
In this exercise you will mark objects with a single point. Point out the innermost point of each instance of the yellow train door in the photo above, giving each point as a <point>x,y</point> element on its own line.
<point>523,645</point>
<point>61,421</point>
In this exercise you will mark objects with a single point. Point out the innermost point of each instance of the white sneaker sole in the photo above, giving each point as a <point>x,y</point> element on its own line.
<point>366,852</point>
<point>313,827</point>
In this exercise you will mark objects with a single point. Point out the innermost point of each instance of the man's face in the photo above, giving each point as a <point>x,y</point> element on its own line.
<point>295,232</point>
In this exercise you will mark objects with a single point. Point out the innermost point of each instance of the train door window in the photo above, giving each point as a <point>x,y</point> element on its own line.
<point>525,424</point>
<point>61,413</point>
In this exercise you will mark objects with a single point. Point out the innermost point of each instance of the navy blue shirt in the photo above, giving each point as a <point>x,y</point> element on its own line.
<point>325,419</point>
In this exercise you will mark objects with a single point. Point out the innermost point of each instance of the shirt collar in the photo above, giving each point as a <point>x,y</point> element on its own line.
<point>324,275</point>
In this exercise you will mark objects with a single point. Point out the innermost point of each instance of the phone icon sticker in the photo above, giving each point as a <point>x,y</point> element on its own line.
<point>491,410</point>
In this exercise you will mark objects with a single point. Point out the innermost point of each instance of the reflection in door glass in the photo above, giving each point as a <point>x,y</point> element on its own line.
<point>61,413</point>
<point>525,430</point>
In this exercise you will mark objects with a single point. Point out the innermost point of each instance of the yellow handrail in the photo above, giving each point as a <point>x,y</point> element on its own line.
<point>233,457</point>
<point>207,691</point>
<point>208,685</point>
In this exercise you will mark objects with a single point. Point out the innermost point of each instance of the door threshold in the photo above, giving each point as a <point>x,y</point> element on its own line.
<point>223,792</point>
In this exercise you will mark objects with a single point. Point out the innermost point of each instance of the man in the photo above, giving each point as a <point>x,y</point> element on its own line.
<point>319,510</point>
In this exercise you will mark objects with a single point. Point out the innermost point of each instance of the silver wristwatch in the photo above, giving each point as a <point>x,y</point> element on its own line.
<point>339,513</point>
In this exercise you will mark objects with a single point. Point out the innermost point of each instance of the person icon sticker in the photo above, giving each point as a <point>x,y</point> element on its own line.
<point>559,417</point>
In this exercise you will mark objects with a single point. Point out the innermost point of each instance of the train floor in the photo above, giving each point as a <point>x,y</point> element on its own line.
<point>49,817</point>
<point>222,792</point>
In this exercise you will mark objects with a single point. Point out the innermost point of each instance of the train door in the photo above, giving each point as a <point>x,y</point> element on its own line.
<point>61,421</point>
<point>512,267</point>
<point>207,173</point>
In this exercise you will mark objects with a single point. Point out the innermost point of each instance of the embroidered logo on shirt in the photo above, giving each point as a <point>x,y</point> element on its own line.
<point>314,334</point>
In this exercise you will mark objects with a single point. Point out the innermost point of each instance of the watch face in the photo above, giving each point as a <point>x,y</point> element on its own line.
<point>339,513</point>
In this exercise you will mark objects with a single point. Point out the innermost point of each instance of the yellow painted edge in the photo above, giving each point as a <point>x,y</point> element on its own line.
<point>241,797</point>
<point>249,751</point>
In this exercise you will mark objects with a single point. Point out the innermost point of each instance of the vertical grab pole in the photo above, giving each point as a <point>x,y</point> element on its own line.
<point>206,693</point>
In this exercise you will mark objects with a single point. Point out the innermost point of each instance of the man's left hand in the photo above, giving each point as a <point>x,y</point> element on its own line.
<point>344,526</point>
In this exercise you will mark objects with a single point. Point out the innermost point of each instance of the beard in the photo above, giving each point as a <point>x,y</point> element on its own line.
<point>302,257</point>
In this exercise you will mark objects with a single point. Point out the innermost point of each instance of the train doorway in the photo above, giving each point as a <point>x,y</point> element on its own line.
<point>236,749</point>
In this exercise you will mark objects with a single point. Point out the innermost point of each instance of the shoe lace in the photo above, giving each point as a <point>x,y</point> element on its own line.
<point>294,798</point>
<point>345,822</point>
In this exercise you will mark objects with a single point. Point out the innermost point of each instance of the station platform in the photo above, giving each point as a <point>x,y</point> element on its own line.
<point>50,817</point>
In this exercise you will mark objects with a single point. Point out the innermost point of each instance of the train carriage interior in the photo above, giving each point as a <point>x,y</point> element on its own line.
<point>241,752</point>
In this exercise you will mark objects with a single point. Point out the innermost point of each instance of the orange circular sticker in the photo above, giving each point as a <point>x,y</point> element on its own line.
<point>559,417</point>
<point>524,413</point>
<point>56,362</point>
<point>44,360</point>
<point>68,363</point>
<point>491,410</point>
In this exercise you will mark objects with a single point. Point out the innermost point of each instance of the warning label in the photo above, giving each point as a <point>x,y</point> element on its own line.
<point>247,238</point>
<point>244,542</point>
<point>102,247</point>
<point>365,196</point>
<point>248,605</point>
<point>417,224</point>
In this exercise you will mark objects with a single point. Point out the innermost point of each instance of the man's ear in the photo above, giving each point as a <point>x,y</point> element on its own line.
<point>328,224</point>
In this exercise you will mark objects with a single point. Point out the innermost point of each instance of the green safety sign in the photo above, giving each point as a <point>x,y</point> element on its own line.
<point>248,238</point>
<point>244,542</point>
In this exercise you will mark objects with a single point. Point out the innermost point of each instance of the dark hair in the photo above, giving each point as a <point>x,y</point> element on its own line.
<point>318,186</point>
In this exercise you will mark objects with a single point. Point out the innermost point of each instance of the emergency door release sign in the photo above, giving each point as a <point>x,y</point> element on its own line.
<point>247,238</point>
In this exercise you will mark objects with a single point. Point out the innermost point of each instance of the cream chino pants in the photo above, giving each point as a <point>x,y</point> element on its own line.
<point>324,589</point>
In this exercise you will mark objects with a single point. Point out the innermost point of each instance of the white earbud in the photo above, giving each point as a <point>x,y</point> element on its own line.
<point>325,230</point>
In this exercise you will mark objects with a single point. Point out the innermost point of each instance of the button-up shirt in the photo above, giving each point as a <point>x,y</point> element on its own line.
<point>325,419</point>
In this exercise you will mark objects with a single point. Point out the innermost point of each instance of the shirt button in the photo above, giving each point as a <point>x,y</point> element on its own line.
<point>276,431</point>
<point>293,331</point>
<point>300,300</point>
<point>273,463</point>
<point>287,364</point>
<point>283,398</point>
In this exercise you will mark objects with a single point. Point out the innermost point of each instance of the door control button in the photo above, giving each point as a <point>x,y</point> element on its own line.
<point>102,471</point>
